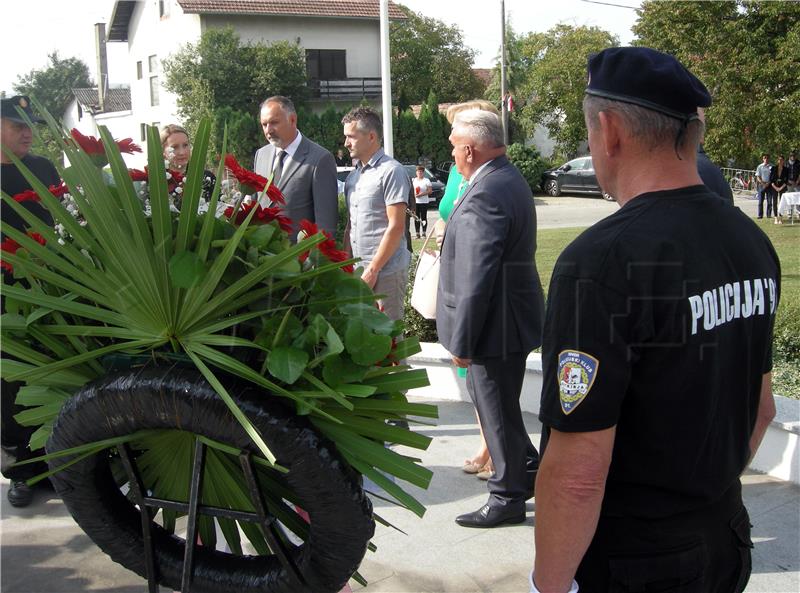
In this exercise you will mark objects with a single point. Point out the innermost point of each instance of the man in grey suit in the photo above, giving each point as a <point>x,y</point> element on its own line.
<point>489,310</point>
<point>304,171</point>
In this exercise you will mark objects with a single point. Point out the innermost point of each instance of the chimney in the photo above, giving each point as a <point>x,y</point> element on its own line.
<point>102,64</point>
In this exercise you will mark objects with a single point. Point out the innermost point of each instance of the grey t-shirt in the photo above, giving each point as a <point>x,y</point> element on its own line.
<point>369,189</point>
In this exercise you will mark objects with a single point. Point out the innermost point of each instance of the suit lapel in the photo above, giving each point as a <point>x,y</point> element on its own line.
<point>294,163</point>
<point>493,166</point>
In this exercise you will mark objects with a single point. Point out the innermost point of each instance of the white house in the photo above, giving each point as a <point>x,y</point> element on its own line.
<point>341,39</point>
<point>85,114</point>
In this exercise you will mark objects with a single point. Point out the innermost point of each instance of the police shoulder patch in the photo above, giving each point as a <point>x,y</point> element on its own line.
<point>576,374</point>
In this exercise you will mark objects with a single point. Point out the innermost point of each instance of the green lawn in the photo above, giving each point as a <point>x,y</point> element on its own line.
<point>785,238</point>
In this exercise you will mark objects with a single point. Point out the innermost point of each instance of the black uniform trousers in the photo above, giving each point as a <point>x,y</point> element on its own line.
<point>494,384</point>
<point>702,551</point>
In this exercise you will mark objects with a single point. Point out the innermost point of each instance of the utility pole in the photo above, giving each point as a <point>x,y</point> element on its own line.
<point>504,105</point>
<point>386,81</point>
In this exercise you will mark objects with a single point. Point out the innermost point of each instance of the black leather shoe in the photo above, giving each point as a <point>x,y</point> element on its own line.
<point>490,516</point>
<point>20,494</point>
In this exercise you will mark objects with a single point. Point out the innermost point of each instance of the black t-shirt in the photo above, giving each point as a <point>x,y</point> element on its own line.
<point>659,322</point>
<point>13,182</point>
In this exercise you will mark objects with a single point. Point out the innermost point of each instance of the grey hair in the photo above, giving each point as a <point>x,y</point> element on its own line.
<point>651,128</point>
<point>366,120</point>
<point>483,127</point>
<point>284,102</point>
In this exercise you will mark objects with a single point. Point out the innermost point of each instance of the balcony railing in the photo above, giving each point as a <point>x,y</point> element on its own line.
<point>348,88</point>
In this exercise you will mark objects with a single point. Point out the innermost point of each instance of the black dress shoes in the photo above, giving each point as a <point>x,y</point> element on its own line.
<point>491,516</point>
<point>20,494</point>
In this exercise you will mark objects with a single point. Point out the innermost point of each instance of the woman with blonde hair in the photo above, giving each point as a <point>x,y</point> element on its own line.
<point>177,153</point>
<point>480,463</point>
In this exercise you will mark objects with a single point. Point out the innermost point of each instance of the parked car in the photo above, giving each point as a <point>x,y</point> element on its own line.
<point>576,176</point>
<point>437,186</point>
<point>341,175</point>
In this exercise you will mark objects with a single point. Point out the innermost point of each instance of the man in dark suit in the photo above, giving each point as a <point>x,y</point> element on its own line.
<point>303,170</point>
<point>489,311</point>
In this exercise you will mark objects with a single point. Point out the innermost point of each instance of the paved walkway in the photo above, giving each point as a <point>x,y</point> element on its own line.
<point>43,551</point>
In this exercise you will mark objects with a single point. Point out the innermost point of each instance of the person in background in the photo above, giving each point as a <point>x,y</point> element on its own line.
<point>16,137</point>
<point>479,464</point>
<point>763,174</point>
<point>341,160</point>
<point>711,174</point>
<point>422,195</point>
<point>656,388</point>
<point>303,170</point>
<point>793,166</point>
<point>778,181</point>
<point>177,152</point>
<point>489,306</point>
<point>377,193</point>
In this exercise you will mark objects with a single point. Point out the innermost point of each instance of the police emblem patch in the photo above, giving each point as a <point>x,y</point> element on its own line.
<point>576,373</point>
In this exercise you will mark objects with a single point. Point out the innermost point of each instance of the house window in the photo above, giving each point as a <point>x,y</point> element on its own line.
<point>163,8</point>
<point>326,64</point>
<point>154,91</point>
<point>152,62</point>
<point>143,132</point>
<point>139,70</point>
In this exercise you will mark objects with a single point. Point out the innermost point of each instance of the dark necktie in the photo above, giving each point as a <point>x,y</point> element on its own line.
<point>276,177</point>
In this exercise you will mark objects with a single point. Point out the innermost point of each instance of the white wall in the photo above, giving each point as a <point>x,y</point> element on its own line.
<point>359,37</point>
<point>150,34</point>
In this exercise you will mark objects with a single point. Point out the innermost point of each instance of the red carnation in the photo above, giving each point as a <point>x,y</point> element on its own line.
<point>137,175</point>
<point>250,182</point>
<point>127,146</point>
<point>89,144</point>
<point>59,191</point>
<point>27,196</point>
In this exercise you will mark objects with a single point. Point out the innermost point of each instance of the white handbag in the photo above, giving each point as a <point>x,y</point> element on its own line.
<point>426,281</point>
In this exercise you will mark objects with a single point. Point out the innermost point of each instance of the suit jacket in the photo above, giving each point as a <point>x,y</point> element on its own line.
<point>490,301</point>
<point>308,183</point>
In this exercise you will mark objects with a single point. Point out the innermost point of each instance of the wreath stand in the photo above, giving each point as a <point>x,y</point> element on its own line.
<point>153,398</point>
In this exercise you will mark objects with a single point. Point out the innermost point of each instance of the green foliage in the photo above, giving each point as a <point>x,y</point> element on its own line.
<point>551,89</point>
<point>529,162</point>
<point>406,137</point>
<point>434,132</point>
<point>429,55</point>
<point>52,86</point>
<point>746,54</point>
<point>221,76</point>
<point>197,289</point>
<point>244,132</point>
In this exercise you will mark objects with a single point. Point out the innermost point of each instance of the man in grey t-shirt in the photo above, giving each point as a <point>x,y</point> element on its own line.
<point>377,193</point>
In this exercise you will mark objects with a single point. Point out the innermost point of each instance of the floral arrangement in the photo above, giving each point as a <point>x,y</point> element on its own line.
<point>225,294</point>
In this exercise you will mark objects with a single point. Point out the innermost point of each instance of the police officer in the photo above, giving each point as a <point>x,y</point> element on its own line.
<point>16,137</point>
<point>656,355</point>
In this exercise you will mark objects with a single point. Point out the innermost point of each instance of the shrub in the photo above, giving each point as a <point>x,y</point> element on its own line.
<point>529,162</point>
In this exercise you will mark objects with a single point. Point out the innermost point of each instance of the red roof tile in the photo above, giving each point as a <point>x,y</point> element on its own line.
<point>369,9</point>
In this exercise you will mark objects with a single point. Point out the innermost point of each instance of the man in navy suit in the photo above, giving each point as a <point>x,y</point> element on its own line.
<point>303,170</point>
<point>489,311</point>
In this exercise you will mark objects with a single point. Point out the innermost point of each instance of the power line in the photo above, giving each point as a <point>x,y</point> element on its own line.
<point>609,4</point>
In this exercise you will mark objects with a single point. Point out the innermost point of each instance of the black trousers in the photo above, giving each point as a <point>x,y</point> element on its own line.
<point>703,551</point>
<point>494,384</point>
<point>771,197</point>
<point>422,221</point>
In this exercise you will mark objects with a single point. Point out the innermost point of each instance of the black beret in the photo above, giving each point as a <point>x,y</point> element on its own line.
<point>648,78</point>
<point>9,110</point>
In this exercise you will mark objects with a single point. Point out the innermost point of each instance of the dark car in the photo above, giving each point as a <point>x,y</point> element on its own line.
<point>437,186</point>
<point>574,177</point>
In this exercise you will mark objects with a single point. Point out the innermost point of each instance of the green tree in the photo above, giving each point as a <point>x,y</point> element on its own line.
<point>434,132</point>
<point>427,54</point>
<point>221,72</point>
<point>406,137</point>
<point>746,54</point>
<point>244,133</point>
<point>52,86</point>
<point>551,90</point>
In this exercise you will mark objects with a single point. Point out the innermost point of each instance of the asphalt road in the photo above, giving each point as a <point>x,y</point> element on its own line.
<point>582,211</point>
